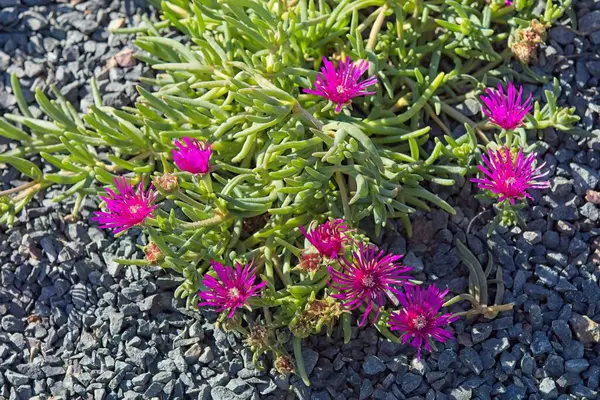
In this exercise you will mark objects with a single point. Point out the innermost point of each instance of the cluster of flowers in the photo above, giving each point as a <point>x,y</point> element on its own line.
<point>360,274</point>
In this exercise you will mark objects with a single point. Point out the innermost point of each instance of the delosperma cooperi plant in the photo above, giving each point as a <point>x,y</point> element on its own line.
<point>272,128</point>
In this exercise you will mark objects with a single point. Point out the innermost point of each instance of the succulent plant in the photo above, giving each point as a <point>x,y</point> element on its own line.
<point>241,152</point>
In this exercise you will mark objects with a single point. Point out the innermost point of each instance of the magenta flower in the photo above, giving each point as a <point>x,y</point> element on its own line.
<point>233,288</point>
<point>510,176</point>
<point>419,320</point>
<point>328,238</point>
<point>508,3</point>
<point>368,278</point>
<point>192,155</point>
<point>126,208</point>
<point>341,85</point>
<point>506,111</point>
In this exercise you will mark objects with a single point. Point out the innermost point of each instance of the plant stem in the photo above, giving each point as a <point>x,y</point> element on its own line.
<point>376,27</point>
<point>187,199</point>
<point>462,297</point>
<point>344,195</point>
<point>28,192</point>
<point>437,119</point>
<point>18,188</point>
<point>306,115</point>
<point>300,360</point>
<point>386,333</point>
<point>347,327</point>
<point>451,111</point>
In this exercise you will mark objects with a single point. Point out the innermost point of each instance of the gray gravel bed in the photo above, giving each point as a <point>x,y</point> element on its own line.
<point>74,324</point>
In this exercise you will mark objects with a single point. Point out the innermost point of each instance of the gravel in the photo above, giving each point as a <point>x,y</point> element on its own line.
<point>74,324</point>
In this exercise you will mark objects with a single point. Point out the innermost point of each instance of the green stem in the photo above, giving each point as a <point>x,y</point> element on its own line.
<point>300,360</point>
<point>509,138</point>
<point>347,327</point>
<point>384,330</point>
<point>344,195</point>
<point>455,114</point>
<point>187,199</point>
<point>308,116</point>
<point>462,297</point>
<point>376,27</point>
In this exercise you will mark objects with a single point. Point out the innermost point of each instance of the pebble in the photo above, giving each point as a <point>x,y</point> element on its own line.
<point>576,366</point>
<point>373,365</point>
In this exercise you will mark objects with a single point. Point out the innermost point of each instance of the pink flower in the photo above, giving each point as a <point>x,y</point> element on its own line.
<point>506,111</point>
<point>510,179</point>
<point>192,155</point>
<point>508,3</point>
<point>418,319</point>
<point>233,288</point>
<point>341,85</point>
<point>368,278</point>
<point>328,238</point>
<point>126,208</point>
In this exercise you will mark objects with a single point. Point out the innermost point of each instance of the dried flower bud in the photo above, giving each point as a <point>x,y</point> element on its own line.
<point>153,253</point>
<point>524,52</point>
<point>538,29</point>
<point>323,312</point>
<point>284,365</point>
<point>167,182</point>
<point>301,325</point>
<point>260,337</point>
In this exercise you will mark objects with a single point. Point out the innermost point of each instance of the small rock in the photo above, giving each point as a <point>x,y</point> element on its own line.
<point>470,358</point>
<point>562,331</point>
<point>577,366</point>
<point>590,22</point>
<point>540,343</point>
<point>10,323</point>
<point>410,382</point>
<point>85,26</point>
<point>586,330</point>
<point>584,178</point>
<point>562,35</point>
<point>16,379</point>
<point>373,365</point>
<point>548,388</point>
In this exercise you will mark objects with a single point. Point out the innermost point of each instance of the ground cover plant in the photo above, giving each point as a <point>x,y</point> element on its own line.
<point>273,128</point>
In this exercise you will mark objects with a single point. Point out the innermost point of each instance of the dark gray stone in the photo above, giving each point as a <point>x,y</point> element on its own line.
<point>411,382</point>
<point>576,366</point>
<point>540,343</point>
<point>470,358</point>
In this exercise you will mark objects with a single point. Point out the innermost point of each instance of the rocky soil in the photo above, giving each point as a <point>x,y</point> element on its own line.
<point>74,324</point>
